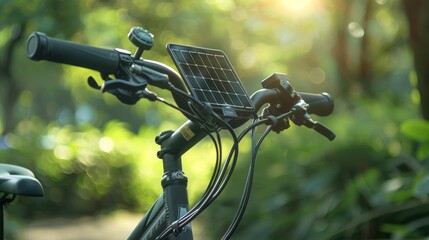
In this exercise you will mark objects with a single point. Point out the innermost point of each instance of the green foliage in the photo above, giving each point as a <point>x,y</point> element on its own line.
<point>44,15</point>
<point>83,170</point>
<point>364,185</point>
<point>418,130</point>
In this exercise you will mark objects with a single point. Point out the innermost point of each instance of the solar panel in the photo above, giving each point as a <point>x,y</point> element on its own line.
<point>211,78</point>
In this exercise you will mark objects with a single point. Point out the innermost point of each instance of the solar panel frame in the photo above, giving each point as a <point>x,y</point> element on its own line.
<point>211,78</point>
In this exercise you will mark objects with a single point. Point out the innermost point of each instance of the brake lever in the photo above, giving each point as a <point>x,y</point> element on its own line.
<point>127,92</point>
<point>122,84</point>
<point>325,131</point>
<point>113,84</point>
<point>301,117</point>
<point>93,84</point>
<point>317,126</point>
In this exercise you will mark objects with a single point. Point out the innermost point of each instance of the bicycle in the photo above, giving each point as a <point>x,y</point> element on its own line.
<point>207,90</point>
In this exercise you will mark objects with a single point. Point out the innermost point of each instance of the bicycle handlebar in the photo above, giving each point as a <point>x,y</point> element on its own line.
<point>178,144</point>
<point>320,104</point>
<point>42,47</point>
<point>109,61</point>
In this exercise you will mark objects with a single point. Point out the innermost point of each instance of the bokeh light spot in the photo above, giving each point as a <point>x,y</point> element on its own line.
<point>106,144</point>
<point>356,30</point>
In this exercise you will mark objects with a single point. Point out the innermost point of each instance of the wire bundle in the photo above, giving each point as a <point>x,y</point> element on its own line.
<point>221,172</point>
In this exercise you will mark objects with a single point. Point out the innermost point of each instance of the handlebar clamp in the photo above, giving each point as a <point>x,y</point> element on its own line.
<point>278,124</point>
<point>280,82</point>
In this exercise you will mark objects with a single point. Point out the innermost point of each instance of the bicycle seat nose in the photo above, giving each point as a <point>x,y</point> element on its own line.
<point>19,181</point>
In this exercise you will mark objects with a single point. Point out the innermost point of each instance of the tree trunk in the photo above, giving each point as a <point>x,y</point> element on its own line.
<point>340,47</point>
<point>364,74</point>
<point>418,22</point>
<point>11,89</point>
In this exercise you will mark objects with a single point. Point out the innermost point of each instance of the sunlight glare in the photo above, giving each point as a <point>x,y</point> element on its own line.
<point>381,2</point>
<point>300,7</point>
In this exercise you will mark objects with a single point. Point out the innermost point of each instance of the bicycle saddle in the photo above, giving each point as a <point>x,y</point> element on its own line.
<point>19,181</point>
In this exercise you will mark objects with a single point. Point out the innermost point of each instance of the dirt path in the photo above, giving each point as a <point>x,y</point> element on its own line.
<point>116,226</point>
<point>111,227</point>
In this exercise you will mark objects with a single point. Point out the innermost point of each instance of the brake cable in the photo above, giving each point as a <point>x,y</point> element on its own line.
<point>248,185</point>
<point>219,184</point>
<point>221,177</point>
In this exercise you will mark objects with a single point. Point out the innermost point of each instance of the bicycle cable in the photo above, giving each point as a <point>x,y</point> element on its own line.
<point>220,177</point>
<point>217,144</point>
<point>218,163</point>
<point>220,183</point>
<point>248,185</point>
<point>224,174</point>
<point>215,174</point>
<point>216,141</point>
<point>192,214</point>
<point>249,181</point>
<point>187,218</point>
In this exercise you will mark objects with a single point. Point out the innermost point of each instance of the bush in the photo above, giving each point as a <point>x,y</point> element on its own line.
<point>364,185</point>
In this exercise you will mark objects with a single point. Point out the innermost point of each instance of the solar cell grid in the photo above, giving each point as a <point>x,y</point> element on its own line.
<point>210,77</point>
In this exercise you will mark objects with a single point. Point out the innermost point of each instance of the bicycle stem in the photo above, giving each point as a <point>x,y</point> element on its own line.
<point>180,141</point>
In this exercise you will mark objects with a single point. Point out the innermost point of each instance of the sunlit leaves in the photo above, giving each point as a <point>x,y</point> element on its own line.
<point>222,5</point>
<point>418,130</point>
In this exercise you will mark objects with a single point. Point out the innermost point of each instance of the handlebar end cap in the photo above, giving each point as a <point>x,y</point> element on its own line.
<point>36,46</point>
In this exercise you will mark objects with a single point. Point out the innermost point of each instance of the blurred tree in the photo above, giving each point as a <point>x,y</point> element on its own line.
<point>10,86</point>
<point>340,47</point>
<point>418,22</point>
<point>365,34</point>
<point>16,16</point>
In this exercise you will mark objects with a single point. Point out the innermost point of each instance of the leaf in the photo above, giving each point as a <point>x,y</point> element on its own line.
<point>416,129</point>
<point>423,151</point>
<point>422,188</point>
<point>393,228</point>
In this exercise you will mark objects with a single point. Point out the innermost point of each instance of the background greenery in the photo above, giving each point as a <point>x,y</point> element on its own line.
<point>95,155</point>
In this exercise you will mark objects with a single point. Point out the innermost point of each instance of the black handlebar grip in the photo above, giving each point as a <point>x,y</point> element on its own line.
<point>42,47</point>
<point>320,104</point>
